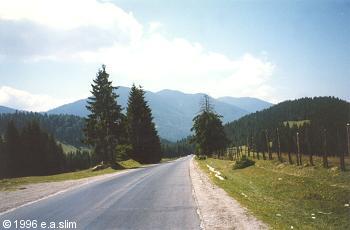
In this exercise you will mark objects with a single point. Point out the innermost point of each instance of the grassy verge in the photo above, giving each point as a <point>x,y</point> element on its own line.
<point>14,183</point>
<point>285,195</point>
<point>70,148</point>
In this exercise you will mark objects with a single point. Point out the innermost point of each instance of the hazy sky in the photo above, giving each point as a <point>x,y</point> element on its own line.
<point>274,50</point>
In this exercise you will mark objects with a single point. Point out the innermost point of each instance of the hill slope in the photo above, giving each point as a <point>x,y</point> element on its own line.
<point>172,110</point>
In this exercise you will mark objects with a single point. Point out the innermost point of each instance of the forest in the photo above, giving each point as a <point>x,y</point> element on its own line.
<point>309,126</point>
<point>67,129</point>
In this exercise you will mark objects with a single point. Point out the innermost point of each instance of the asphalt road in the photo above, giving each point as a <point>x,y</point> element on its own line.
<point>156,197</point>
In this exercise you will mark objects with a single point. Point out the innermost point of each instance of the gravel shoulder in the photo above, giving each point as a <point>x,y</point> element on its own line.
<point>216,208</point>
<point>29,193</point>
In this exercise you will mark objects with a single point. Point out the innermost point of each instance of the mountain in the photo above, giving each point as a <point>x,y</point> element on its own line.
<point>173,111</point>
<point>247,103</point>
<point>4,109</point>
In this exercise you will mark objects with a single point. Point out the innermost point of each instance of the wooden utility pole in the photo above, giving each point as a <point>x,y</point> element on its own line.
<point>279,146</point>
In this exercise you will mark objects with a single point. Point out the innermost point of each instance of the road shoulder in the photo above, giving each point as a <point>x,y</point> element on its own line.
<point>216,208</point>
<point>30,193</point>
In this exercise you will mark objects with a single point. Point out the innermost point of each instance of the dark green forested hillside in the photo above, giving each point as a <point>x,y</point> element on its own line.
<point>320,123</point>
<point>29,151</point>
<point>66,128</point>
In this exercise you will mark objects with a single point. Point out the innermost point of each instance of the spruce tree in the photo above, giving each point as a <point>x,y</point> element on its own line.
<point>142,133</point>
<point>12,148</point>
<point>102,125</point>
<point>209,131</point>
<point>3,160</point>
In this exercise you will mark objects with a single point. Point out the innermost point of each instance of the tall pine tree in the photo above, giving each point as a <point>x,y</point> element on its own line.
<point>102,125</point>
<point>143,135</point>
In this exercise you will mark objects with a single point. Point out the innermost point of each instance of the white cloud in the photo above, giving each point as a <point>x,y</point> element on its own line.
<point>22,100</point>
<point>72,14</point>
<point>136,56</point>
<point>59,27</point>
<point>157,63</point>
<point>154,26</point>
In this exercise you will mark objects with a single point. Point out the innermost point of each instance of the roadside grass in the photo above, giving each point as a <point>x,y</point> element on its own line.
<point>15,183</point>
<point>70,148</point>
<point>129,164</point>
<point>284,195</point>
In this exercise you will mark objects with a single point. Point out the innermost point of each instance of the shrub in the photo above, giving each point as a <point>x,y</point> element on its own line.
<point>201,157</point>
<point>244,162</point>
<point>122,152</point>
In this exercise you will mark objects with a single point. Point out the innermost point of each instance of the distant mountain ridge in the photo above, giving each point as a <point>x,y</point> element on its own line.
<point>173,111</point>
<point>4,109</point>
<point>249,104</point>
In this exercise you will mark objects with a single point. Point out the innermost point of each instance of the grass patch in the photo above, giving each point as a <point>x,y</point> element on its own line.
<point>129,164</point>
<point>284,195</point>
<point>297,123</point>
<point>70,148</point>
<point>15,183</point>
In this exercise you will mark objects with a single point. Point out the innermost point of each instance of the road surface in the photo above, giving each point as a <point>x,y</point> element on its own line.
<point>156,197</point>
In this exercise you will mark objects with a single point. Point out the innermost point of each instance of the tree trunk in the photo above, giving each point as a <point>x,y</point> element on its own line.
<point>325,158</point>
<point>298,151</point>
<point>310,159</point>
<point>290,158</point>
<point>342,161</point>
<point>279,147</point>
<point>268,145</point>
<point>341,154</point>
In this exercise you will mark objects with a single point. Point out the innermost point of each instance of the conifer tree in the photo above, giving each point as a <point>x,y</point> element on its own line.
<point>102,125</point>
<point>3,160</point>
<point>12,148</point>
<point>209,131</point>
<point>142,133</point>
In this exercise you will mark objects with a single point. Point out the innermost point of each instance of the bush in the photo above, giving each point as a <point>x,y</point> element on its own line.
<point>201,157</point>
<point>123,152</point>
<point>244,162</point>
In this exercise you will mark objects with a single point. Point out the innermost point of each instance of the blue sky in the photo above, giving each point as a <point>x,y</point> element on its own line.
<point>273,50</point>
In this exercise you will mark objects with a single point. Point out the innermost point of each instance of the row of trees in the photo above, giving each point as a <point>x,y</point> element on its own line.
<point>321,131</point>
<point>29,151</point>
<point>107,129</point>
<point>66,128</point>
<point>179,148</point>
